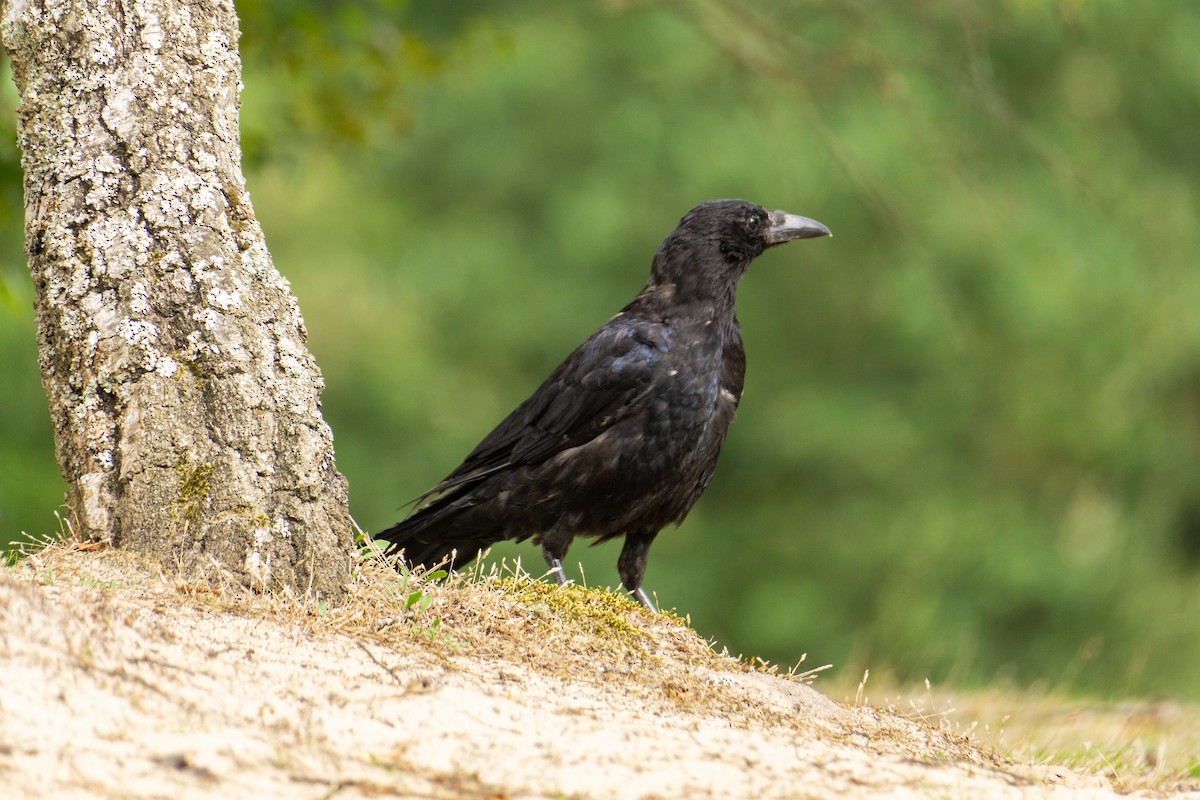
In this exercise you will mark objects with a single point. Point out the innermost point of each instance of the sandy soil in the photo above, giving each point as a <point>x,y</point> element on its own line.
<point>121,681</point>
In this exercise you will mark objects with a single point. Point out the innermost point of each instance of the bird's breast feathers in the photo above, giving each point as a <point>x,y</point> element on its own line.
<point>671,370</point>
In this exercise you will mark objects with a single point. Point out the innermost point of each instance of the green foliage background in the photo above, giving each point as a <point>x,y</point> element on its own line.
<point>969,447</point>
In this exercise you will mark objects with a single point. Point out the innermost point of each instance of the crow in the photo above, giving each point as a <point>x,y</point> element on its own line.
<point>622,438</point>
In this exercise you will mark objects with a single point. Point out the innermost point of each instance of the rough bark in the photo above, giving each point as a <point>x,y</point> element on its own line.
<point>185,402</point>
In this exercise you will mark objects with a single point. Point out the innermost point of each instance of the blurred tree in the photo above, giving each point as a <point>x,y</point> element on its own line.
<point>184,401</point>
<point>341,71</point>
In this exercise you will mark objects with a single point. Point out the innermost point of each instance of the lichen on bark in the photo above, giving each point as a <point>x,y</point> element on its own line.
<point>171,348</point>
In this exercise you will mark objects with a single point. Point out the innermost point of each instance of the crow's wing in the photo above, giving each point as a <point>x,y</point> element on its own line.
<point>600,383</point>
<point>733,363</point>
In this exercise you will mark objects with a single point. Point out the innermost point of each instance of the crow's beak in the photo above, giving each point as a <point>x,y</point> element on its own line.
<point>786,227</point>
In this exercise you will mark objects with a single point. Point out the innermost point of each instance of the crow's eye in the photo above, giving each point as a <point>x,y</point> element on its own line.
<point>753,222</point>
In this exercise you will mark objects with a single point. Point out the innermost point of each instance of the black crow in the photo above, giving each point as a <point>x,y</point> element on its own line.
<point>622,438</point>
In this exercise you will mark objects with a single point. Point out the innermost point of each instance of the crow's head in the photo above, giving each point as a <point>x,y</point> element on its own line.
<point>714,243</point>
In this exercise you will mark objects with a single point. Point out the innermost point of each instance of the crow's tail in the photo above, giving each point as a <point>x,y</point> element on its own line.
<point>438,536</point>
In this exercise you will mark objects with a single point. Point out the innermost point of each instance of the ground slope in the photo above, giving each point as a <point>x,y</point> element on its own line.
<point>121,680</point>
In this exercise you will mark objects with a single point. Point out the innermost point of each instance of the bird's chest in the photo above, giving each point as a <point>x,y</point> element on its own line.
<point>689,388</point>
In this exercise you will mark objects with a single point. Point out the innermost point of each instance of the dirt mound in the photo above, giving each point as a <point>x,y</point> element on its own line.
<point>122,680</point>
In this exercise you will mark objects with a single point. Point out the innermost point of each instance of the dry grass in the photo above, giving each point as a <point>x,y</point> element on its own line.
<point>1137,745</point>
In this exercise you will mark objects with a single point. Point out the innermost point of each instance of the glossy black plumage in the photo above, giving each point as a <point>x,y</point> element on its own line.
<point>622,438</point>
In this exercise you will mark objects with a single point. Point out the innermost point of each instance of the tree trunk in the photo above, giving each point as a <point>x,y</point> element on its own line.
<point>185,402</point>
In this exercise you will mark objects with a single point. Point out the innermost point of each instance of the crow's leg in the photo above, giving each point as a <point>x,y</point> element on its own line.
<point>554,550</point>
<point>645,600</point>
<point>632,566</point>
<point>556,569</point>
